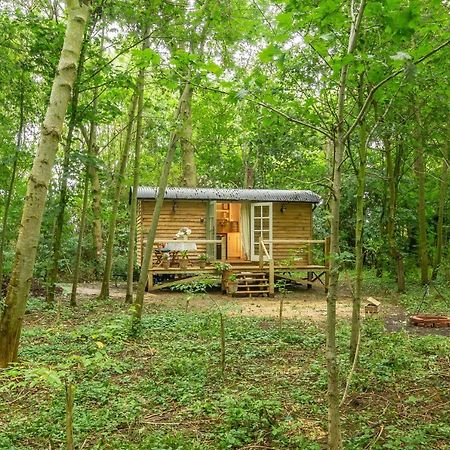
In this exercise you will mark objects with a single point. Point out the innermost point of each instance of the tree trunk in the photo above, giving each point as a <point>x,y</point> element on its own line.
<point>421,213</point>
<point>443,196</point>
<point>12,182</point>
<point>359,259</point>
<point>137,159</point>
<point>148,251</point>
<point>334,433</point>
<point>187,148</point>
<point>76,268</point>
<point>104,293</point>
<point>392,175</point>
<point>19,286</point>
<point>334,429</point>
<point>61,208</point>
<point>97,234</point>
<point>96,206</point>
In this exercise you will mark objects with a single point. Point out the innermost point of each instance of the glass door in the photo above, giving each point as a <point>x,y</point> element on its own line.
<point>261,226</point>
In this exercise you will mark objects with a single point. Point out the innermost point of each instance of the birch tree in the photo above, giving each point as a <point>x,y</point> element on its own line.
<point>19,286</point>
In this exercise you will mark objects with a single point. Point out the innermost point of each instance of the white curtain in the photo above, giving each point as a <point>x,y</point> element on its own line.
<point>244,229</point>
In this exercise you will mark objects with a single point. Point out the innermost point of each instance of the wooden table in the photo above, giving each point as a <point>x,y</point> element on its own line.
<point>176,247</point>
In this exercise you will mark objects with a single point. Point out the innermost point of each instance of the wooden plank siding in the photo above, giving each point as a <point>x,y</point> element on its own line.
<point>295,222</point>
<point>187,213</point>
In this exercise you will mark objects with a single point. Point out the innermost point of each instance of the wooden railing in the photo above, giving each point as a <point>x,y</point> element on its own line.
<point>302,243</point>
<point>263,252</point>
<point>222,242</point>
<point>264,255</point>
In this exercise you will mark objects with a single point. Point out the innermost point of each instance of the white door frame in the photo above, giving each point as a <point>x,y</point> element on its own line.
<point>255,239</point>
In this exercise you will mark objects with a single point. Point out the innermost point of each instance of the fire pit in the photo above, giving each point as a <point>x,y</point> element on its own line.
<point>425,320</point>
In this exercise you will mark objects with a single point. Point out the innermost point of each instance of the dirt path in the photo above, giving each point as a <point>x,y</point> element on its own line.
<point>309,305</point>
<point>305,304</point>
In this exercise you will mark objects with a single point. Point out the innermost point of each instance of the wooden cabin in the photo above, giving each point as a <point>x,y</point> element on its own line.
<point>246,228</point>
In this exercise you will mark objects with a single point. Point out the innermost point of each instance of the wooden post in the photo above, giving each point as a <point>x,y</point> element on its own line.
<point>222,345</point>
<point>261,254</point>
<point>150,281</point>
<point>271,278</point>
<point>223,249</point>
<point>69,415</point>
<point>327,262</point>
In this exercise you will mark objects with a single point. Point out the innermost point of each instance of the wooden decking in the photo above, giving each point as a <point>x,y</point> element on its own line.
<point>303,272</point>
<point>314,275</point>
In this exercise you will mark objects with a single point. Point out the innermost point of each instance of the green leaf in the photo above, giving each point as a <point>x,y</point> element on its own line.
<point>145,58</point>
<point>213,68</point>
<point>269,53</point>
<point>285,19</point>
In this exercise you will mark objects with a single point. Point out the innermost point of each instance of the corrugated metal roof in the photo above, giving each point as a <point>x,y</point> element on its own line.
<point>251,195</point>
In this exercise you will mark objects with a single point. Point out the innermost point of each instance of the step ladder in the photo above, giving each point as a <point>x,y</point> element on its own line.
<point>252,284</point>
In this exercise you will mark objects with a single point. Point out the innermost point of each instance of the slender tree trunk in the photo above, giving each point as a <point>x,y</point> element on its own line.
<point>63,195</point>
<point>421,213</point>
<point>359,259</point>
<point>19,286</point>
<point>334,429</point>
<point>104,293</point>
<point>334,432</point>
<point>12,182</point>
<point>148,251</point>
<point>392,174</point>
<point>187,147</point>
<point>96,194</point>
<point>91,142</point>
<point>443,196</point>
<point>76,268</point>
<point>137,159</point>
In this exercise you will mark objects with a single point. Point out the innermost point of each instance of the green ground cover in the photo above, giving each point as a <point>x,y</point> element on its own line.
<point>164,389</point>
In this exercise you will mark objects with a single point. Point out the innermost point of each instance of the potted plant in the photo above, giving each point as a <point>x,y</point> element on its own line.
<point>232,284</point>
<point>222,267</point>
<point>203,259</point>
<point>184,259</point>
<point>166,261</point>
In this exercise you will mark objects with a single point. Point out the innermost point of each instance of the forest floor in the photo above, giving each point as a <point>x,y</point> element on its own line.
<point>299,303</point>
<point>165,387</point>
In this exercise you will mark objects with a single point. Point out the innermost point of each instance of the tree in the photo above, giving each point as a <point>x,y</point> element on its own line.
<point>16,298</point>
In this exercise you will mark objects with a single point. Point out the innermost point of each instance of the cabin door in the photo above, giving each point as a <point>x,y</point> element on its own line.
<point>261,223</point>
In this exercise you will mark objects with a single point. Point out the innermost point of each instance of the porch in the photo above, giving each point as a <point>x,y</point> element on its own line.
<point>308,265</point>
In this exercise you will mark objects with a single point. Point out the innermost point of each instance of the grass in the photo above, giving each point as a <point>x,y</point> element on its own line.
<point>164,389</point>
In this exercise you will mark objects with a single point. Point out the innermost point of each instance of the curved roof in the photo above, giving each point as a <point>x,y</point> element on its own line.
<point>251,195</point>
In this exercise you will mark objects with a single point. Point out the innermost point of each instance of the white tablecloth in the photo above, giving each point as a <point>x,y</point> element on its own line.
<point>180,246</point>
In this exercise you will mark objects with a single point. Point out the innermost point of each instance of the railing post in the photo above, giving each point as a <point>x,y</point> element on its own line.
<point>223,249</point>
<point>327,262</point>
<point>261,254</point>
<point>271,278</point>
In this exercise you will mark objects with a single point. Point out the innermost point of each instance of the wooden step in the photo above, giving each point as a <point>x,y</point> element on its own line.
<point>251,280</point>
<point>253,285</point>
<point>250,293</point>
<point>251,274</point>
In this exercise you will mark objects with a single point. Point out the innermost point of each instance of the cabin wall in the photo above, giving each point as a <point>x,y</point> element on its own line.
<point>191,214</point>
<point>295,222</point>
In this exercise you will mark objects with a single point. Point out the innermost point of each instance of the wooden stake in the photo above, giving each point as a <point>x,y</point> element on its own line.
<point>70,393</point>
<point>222,345</point>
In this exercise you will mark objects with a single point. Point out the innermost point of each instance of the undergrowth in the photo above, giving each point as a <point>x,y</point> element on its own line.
<point>165,389</point>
